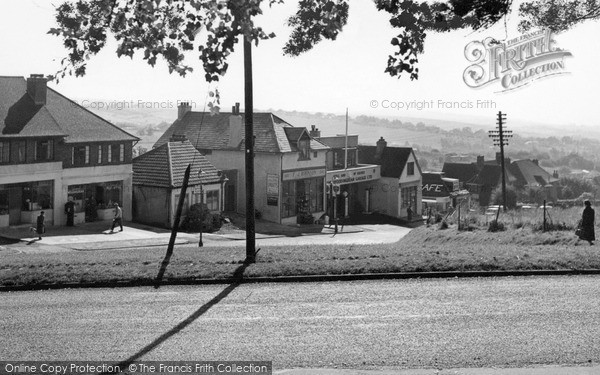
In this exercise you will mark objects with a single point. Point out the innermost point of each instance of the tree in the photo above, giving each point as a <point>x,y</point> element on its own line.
<point>168,28</point>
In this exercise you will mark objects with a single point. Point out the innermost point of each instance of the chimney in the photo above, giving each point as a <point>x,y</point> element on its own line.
<point>536,162</point>
<point>555,174</point>
<point>182,109</point>
<point>178,138</point>
<point>314,132</point>
<point>480,162</point>
<point>235,129</point>
<point>37,89</point>
<point>381,144</point>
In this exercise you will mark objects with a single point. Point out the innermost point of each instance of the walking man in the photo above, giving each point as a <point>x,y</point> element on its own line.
<point>70,212</point>
<point>118,219</point>
<point>587,223</point>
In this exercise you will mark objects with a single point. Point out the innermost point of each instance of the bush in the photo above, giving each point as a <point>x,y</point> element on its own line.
<point>496,226</point>
<point>199,215</point>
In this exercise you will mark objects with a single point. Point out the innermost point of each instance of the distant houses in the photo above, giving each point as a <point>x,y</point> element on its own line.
<point>52,150</point>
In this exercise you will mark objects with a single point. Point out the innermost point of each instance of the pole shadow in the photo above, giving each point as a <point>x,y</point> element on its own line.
<point>238,278</point>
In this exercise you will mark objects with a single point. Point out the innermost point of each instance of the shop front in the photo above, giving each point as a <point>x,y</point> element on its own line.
<point>95,201</point>
<point>303,195</point>
<point>348,192</point>
<point>22,203</point>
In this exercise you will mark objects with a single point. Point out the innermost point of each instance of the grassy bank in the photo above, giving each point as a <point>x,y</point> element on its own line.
<point>424,249</point>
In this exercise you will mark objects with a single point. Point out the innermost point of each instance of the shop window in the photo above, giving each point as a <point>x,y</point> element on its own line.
<point>409,196</point>
<point>410,168</point>
<point>4,152</point>
<point>38,195</point>
<point>212,200</point>
<point>302,195</point>
<point>44,150</point>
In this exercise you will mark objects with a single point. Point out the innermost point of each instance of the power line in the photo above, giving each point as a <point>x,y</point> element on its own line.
<point>500,137</point>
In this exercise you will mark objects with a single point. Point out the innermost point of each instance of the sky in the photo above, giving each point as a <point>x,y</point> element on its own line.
<point>335,75</point>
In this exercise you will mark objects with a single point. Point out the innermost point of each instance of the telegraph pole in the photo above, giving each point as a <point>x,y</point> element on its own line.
<point>500,139</point>
<point>249,146</point>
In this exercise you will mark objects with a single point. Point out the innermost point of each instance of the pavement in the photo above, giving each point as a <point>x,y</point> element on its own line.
<point>97,236</point>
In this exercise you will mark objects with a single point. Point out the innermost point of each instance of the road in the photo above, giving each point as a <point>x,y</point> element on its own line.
<point>435,323</point>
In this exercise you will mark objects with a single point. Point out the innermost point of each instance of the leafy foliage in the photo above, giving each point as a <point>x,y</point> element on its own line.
<point>199,216</point>
<point>557,15</point>
<point>169,28</point>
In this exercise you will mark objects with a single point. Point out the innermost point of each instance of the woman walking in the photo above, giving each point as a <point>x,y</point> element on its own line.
<point>587,224</point>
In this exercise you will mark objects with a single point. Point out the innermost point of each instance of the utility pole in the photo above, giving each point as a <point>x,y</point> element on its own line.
<point>249,145</point>
<point>500,137</point>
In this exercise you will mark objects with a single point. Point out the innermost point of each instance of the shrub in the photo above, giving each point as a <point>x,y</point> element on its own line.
<point>496,226</point>
<point>199,215</point>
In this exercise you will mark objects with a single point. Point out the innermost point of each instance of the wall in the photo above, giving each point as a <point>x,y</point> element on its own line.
<point>384,195</point>
<point>151,206</point>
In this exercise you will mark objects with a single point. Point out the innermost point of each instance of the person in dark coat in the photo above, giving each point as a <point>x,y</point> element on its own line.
<point>40,227</point>
<point>587,223</point>
<point>70,211</point>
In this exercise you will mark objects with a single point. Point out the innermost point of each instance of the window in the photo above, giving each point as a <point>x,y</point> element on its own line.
<point>186,203</point>
<point>304,148</point>
<point>115,151</point>
<point>99,154</point>
<point>44,150</point>
<point>80,155</point>
<point>121,153</point>
<point>409,196</point>
<point>21,151</point>
<point>109,154</point>
<point>410,168</point>
<point>300,194</point>
<point>4,152</point>
<point>212,200</point>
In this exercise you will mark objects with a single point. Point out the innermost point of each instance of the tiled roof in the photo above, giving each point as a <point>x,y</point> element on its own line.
<point>392,160</point>
<point>165,166</point>
<point>464,172</point>
<point>529,173</point>
<point>491,175</point>
<point>212,132</point>
<point>20,117</point>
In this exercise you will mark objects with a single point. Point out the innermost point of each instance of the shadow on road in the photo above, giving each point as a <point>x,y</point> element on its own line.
<point>237,276</point>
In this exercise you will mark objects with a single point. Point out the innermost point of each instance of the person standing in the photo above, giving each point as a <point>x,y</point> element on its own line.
<point>70,212</point>
<point>409,213</point>
<point>587,223</point>
<point>40,227</point>
<point>118,219</point>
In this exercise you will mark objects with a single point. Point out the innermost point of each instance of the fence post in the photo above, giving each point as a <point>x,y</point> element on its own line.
<point>544,223</point>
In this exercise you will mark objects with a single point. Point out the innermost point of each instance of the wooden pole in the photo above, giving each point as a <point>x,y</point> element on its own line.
<point>249,145</point>
<point>175,228</point>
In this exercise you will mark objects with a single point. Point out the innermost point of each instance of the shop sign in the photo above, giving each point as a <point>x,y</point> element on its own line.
<point>303,174</point>
<point>353,176</point>
<point>272,189</point>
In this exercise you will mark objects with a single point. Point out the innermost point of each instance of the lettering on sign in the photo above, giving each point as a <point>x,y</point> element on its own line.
<point>302,174</point>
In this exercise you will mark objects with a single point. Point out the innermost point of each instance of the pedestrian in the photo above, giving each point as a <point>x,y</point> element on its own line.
<point>118,219</point>
<point>409,213</point>
<point>70,212</point>
<point>40,227</point>
<point>587,232</point>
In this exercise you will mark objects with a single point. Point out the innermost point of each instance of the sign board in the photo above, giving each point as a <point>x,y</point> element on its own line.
<point>272,189</point>
<point>355,175</point>
<point>302,174</point>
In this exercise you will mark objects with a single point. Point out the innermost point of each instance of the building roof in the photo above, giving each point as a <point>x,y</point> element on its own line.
<point>165,166</point>
<point>491,175</point>
<point>392,159</point>
<point>464,172</point>
<point>59,117</point>
<point>209,131</point>
<point>529,173</point>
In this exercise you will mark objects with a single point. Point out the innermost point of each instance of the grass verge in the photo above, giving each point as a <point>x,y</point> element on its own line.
<point>425,249</point>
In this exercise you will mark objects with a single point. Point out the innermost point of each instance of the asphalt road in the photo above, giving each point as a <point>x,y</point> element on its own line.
<point>436,323</point>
